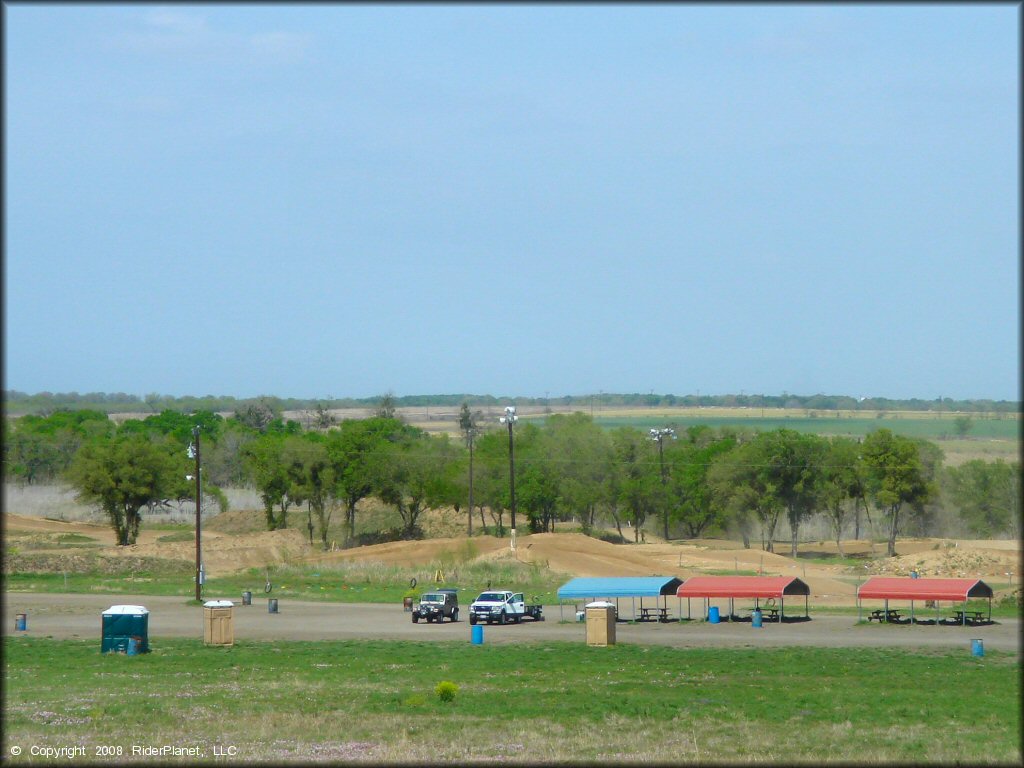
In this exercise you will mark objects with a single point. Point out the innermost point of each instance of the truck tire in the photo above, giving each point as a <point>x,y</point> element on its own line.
<point>455,615</point>
<point>502,620</point>
<point>472,618</point>
<point>415,619</point>
<point>440,619</point>
<point>517,619</point>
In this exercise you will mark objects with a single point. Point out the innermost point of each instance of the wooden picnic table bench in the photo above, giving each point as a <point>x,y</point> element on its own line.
<point>769,613</point>
<point>654,614</point>
<point>969,617</point>
<point>884,615</point>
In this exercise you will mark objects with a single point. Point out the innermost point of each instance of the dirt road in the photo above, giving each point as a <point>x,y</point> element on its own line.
<point>79,616</point>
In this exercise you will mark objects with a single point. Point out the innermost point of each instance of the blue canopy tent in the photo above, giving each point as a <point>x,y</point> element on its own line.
<point>616,587</point>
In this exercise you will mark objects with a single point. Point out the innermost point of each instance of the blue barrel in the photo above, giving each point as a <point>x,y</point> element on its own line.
<point>21,622</point>
<point>713,614</point>
<point>272,605</point>
<point>755,619</point>
<point>477,634</point>
<point>133,646</point>
<point>977,647</point>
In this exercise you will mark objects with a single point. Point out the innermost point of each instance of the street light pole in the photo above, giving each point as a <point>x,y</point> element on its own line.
<point>194,451</point>
<point>510,418</point>
<point>660,435</point>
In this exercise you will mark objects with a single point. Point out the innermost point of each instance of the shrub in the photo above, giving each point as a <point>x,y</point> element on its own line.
<point>446,691</point>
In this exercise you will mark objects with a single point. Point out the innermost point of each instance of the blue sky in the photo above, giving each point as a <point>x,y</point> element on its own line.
<point>347,200</point>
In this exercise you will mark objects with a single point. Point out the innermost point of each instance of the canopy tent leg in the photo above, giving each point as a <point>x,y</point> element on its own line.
<point>911,611</point>
<point>963,615</point>
<point>990,610</point>
<point>886,611</point>
<point>782,608</point>
<point>860,617</point>
<point>807,610</point>
<point>937,613</point>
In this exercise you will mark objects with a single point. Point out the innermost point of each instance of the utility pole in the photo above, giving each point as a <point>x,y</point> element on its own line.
<point>510,418</point>
<point>194,451</point>
<point>659,435</point>
<point>471,433</point>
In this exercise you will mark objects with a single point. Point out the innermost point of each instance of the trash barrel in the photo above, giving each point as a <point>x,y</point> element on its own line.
<point>600,623</point>
<point>755,618</point>
<point>271,605</point>
<point>476,634</point>
<point>247,598</point>
<point>713,616</point>
<point>977,647</point>
<point>218,622</point>
<point>133,646</point>
<point>122,623</point>
<point>21,622</point>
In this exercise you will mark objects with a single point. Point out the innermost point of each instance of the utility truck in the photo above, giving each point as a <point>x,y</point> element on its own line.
<point>503,606</point>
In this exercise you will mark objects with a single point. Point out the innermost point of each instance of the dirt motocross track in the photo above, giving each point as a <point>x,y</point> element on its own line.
<point>570,553</point>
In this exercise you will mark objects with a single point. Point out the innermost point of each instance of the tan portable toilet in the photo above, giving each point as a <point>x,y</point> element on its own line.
<point>219,622</point>
<point>600,623</point>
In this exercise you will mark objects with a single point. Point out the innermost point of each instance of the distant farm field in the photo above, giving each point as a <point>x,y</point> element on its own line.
<point>826,424</point>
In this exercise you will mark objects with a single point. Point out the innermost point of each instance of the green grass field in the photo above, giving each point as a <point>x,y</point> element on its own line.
<point>342,582</point>
<point>376,701</point>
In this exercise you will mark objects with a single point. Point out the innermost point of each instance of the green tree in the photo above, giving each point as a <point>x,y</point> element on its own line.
<point>987,495</point>
<point>842,483</point>
<point>743,478</point>
<point>124,473</point>
<point>963,424</point>
<point>415,474</point>
<point>30,457</point>
<point>270,471</point>
<point>353,451</point>
<point>697,507</point>
<point>578,453</point>
<point>794,463</point>
<point>897,477</point>
<point>637,481</point>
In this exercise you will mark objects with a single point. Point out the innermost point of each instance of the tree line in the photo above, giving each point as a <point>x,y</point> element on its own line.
<point>699,482</point>
<point>44,403</point>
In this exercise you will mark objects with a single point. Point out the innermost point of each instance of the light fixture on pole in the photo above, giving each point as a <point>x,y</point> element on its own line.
<point>510,418</point>
<point>659,435</point>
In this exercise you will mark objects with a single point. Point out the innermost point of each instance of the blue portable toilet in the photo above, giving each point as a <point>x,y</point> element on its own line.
<point>124,623</point>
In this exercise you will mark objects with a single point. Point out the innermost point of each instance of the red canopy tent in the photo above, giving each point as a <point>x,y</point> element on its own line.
<point>903,588</point>
<point>757,587</point>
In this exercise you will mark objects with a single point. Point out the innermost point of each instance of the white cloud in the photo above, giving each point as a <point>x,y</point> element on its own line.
<point>284,45</point>
<point>174,21</point>
<point>174,31</point>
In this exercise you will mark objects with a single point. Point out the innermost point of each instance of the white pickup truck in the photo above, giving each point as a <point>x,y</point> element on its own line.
<point>503,606</point>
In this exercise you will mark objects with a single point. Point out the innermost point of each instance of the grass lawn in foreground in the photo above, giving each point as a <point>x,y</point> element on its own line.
<point>376,701</point>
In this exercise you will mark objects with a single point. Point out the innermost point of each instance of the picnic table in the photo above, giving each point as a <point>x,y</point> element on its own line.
<point>968,617</point>
<point>654,614</point>
<point>772,614</point>
<point>884,615</point>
